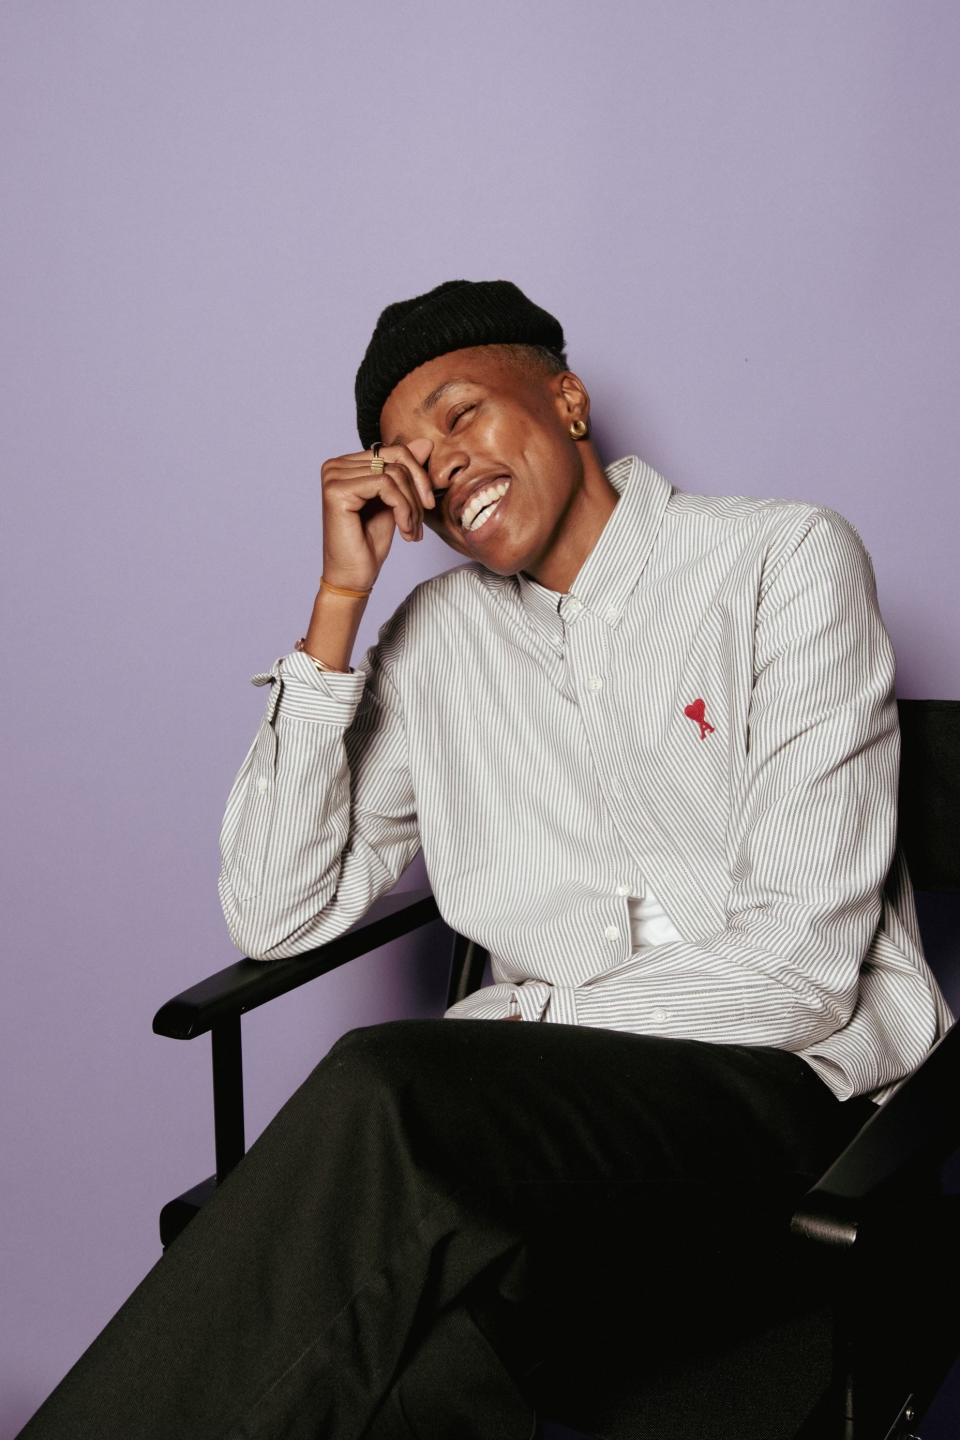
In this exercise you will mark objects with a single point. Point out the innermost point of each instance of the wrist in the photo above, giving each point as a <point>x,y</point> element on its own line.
<point>349,591</point>
<point>301,645</point>
<point>333,628</point>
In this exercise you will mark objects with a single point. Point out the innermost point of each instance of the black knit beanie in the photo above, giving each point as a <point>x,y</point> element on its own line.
<point>451,316</point>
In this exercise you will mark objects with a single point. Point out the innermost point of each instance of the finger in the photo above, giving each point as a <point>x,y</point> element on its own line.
<point>401,477</point>
<point>357,484</point>
<point>400,454</point>
<point>399,494</point>
<point>410,470</point>
<point>356,477</point>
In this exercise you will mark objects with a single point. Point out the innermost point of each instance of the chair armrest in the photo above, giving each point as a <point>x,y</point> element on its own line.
<point>911,1134</point>
<point>248,983</point>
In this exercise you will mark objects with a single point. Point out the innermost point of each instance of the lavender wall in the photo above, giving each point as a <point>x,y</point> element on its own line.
<point>746,217</point>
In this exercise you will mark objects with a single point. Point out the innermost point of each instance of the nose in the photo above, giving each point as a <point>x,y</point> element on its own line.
<point>443,470</point>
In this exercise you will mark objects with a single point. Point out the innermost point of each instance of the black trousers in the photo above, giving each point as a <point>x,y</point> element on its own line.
<point>436,1204</point>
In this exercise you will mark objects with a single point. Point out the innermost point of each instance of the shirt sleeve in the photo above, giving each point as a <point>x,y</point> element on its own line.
<point>812,828</point>
<point>321,818</point>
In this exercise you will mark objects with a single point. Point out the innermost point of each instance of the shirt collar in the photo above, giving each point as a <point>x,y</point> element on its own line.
<point>610,572</point>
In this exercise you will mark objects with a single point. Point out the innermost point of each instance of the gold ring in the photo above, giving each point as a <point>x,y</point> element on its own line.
<point>376,464</point>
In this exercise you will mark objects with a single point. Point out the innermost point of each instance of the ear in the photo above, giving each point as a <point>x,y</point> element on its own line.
<point>572,399</point>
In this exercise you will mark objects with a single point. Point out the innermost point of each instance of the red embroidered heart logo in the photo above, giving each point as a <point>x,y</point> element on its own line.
<point>697,710</point>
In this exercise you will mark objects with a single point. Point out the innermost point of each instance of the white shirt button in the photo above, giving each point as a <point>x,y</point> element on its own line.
<point>623,889</point>
<point>574,606</point>
<point>612,933</point>
<point>262,783</point>
<point>658,1014</point>
<point>595,682</point>
<point>611,612</point>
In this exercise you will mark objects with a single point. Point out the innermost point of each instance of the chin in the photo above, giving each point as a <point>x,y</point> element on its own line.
<point>500,570</point>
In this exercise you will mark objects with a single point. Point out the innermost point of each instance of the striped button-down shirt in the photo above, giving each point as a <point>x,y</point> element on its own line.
<point>702,730</point>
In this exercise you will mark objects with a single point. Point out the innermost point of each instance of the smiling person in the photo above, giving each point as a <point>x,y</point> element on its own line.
<point>647,742</point>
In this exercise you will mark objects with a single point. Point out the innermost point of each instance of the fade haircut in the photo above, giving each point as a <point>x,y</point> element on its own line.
<point>533,360</point>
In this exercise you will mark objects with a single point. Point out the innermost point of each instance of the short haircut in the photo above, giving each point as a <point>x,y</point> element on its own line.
<point>534,360</point>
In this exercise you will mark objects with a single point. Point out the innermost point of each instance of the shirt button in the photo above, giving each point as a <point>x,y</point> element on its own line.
<point>658,1014</point>
<point>611,612</point>
<point>574,606</point>
<point>262,783</point>
<point>595,682</point>
<point>612,933</point>
<point>623,889</point>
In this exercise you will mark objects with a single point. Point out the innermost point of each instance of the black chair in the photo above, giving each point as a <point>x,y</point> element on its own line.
<point>874,1244</point>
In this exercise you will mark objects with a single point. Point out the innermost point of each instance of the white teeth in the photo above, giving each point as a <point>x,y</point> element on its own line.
<point>482,518</point>
<point>482,498</point>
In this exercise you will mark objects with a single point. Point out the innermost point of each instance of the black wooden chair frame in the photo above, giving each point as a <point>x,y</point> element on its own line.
<point>877,1197</point>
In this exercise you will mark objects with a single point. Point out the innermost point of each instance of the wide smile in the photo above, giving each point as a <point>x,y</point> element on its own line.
<point>493,515</point>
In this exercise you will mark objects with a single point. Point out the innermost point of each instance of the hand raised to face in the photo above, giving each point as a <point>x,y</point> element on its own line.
<point>361,509</point>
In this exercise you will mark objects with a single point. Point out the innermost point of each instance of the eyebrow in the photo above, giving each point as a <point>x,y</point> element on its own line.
<point>431,400</point>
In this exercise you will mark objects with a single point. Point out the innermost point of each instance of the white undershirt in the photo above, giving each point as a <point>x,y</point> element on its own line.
<point>649,922</point>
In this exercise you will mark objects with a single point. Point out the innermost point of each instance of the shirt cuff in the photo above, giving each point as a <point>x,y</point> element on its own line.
<point>302,692</point>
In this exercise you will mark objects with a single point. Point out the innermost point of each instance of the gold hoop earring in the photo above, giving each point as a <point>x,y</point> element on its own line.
<point>578,428</point>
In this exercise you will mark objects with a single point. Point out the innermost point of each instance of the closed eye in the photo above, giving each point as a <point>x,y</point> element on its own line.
<point>460,412</point>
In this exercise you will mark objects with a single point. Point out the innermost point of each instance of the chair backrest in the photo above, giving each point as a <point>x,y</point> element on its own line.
<point>929,792</point>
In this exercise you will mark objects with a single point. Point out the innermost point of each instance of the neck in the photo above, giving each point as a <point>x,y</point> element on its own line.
<point>581,527</point>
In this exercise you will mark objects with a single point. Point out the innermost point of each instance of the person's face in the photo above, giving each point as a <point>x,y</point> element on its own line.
<point>468,414</point>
